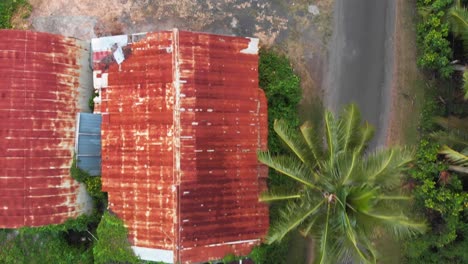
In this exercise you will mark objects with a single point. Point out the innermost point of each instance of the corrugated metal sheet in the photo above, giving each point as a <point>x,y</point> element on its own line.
<point>183,118</point>
<point>39,95</point>
<point>221,129</point>
<point>88,143</point>
<point>138,145</point>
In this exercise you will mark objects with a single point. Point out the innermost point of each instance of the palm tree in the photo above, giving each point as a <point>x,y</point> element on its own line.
<point>457,17</point>
<point>346,197</point>
<point>454,140</point>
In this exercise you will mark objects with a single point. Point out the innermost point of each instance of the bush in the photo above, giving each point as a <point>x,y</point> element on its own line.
<point>113,245</point>
<point>50,243</point>
<point>283,92</point>
<point>93,183</point>
<point>439,196</point>
<point>444,205</point>
<point>8,8</point>
<point>432,33</point>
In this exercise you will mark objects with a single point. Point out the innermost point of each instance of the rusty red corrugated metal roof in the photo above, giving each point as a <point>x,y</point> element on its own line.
<point>183,118</point>
<point>39,80</point>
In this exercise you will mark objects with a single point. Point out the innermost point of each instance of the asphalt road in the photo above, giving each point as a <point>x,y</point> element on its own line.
<point>360,67</point>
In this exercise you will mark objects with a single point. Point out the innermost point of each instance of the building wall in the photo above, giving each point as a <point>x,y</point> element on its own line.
<point>41,83</point>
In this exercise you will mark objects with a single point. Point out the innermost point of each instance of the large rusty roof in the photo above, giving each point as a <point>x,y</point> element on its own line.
<point>183,118</point>
<point>39,94</point>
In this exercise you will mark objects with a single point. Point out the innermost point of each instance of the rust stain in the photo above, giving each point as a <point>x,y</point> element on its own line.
<point>39,73</point>
<point>180,133</point>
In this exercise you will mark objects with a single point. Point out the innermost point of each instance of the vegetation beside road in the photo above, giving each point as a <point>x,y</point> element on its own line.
<point>440,192</point>
<point>8,8</point>
<point>283,91</point>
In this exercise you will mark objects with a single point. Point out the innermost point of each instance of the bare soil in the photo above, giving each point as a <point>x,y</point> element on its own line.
<point>287,26</point>
<point>408,84</point>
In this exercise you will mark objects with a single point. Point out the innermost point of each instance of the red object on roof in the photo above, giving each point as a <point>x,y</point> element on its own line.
<point>39,80</point>
<point>183,119</point>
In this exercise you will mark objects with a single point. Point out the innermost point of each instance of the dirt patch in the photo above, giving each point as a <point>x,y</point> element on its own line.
<point>20,19</point>
<point>408,85</point>
<point>290,27</point>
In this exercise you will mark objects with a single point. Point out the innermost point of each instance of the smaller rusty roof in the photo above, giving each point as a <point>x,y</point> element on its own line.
<point>40,87</point>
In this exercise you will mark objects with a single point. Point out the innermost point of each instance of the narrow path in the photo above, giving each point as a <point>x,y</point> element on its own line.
<point>360,65</point>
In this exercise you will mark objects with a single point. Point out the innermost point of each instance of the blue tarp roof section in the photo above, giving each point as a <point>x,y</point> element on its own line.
<point>88,152</point>
<point>90,123</point>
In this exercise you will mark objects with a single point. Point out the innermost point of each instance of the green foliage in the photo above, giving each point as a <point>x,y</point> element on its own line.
<point>283,92</point>
<point>8,8</point>
<point>49,244</point>
<point>33,246</point>
<point>91,101</point>
<point>347,196</point>
<point>432,33</point>
<point>274,253</point>
<point>93,183</point>
<point>444,205</point>
<point>94,186</point>
<point>430,109</point>
<point>230,258</point>
<point>113,245</point>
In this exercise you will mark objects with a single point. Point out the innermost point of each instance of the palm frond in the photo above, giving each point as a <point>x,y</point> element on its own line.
<point>331,136</point>
<point>454,138</point>
<point>394,197</point>
<point>400,226</point>
<point>324,238</point>
<point>351,168</point>
<point>291,219</point>
<point>454,156</point>
<point>295,142</point>
<point>350,120</point>
<point>360,198</point>
<point>383,168</point>
<point>457,17</point>
<point>271,196</point>
<point>289,166</point>
<point>452,123</point>
<point>366,132</point>
<point>352,237</point>
<point>313,140</point>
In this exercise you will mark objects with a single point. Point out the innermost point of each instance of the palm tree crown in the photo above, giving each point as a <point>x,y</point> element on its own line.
<point>345,197</point>
<point>454,140</point>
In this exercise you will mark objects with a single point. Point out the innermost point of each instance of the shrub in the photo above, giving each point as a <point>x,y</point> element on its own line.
<point>283,92</point>
<point>50,243</point>
<point>113,245</point>
<point>432,33</point>
<point>445,206</point>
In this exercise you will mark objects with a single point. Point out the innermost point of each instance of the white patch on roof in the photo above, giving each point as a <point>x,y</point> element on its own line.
<point>118,55</point>
<point>106,43</point>
<point>153,254</point>
<point>252,48</point>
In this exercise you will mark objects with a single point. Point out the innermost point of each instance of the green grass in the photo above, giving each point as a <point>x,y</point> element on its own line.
<point>411,125</point>
<point>8,9</point>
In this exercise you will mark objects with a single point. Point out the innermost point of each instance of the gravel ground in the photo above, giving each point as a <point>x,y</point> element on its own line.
<point>298,28</point>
